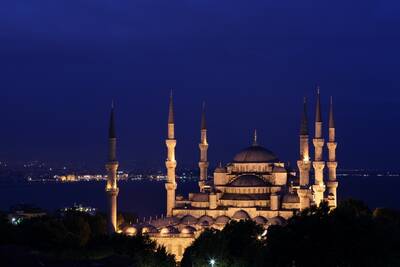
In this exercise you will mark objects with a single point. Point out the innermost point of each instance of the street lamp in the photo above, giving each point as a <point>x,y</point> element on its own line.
<point>212,262</point>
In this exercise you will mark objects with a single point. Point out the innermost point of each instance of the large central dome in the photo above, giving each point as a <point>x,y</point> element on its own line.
<point>255,154</point>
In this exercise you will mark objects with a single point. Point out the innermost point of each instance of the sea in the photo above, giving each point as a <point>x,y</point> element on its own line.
<point>147,198</point>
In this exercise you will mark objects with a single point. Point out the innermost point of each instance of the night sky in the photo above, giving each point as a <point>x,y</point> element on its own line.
<point>61,63</point>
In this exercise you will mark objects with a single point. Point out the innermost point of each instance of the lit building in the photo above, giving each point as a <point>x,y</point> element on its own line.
<point>256,185</point>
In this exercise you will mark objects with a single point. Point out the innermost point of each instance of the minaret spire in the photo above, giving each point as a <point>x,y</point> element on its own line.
<point>171,108</point>
<point>304,119</point>
<point>112,167</point>
<point>318,164</point>
<point>171,163</point>
<point>203,146</point>
<point>331,119</point>
<point>318,117</point>
<point>304,163</point>
<point>332,164</point>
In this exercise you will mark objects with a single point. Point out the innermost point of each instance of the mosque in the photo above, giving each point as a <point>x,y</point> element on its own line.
<point>256,185</point>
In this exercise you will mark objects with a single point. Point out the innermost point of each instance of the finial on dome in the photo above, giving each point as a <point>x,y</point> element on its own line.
<point>255,141</point>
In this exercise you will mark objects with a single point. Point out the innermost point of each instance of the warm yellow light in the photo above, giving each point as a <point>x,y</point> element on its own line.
<point>306,159</point>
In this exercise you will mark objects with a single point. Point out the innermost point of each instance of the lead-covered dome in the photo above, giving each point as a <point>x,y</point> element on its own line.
<point>255,154</point>
<point>248,181</point>
<point>241,215</point>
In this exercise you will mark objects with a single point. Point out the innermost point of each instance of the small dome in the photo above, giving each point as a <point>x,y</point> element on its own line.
<point>248,181</point>
<point>241,215</point>
<point>188,230</point>
<point>278,220</point>
<point>130,230</point>
<point>149,229</point>
<point>291,198</point>
<point>172,220</point>
<point>169,230</point>
<point>260,220</point>
<point>222,220</point>
<point>255,154</point>
<point>188,220</point>
<point>220,169</point>
<point>205,221</point>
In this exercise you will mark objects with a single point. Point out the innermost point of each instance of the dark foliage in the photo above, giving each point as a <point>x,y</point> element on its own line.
<point>75,239</point>
<point>350,235</point>
<point>237,245</point>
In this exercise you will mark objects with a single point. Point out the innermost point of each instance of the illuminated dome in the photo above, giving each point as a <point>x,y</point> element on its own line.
<point>220,169</point>
<point>222,220</point>
<point>248,181</point>
<point>188,230</point>
<point>130,230</point>
<point>206,221</point>
<point>241,215</point>
<point>260,220</point>
<point>169,230</point>
<point>149,229</point>
<point>255,154</point>
<point>278,220</point>
<point>188,220</point>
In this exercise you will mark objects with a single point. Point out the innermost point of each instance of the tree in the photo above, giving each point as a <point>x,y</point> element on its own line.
<point>351,235</point>
<point>237,245</point>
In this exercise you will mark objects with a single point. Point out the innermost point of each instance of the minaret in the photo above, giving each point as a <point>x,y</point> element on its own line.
<point>170,185</point>
<point>332,183</point>
<point>203,164</point>
<point>304,163</point>
<point>318,164</point>
<point>111,167</point>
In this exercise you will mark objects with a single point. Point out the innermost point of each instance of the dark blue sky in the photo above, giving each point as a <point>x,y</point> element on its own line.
<point>61,63</point>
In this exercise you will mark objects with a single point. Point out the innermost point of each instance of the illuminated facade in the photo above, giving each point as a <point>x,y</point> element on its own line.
<point>256,185</point>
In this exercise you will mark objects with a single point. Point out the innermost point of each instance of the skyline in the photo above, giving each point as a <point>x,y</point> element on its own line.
<point>62,64</point>
<point>246,135</point>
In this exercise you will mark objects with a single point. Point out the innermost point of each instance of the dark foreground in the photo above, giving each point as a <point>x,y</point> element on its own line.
<point>351,235</point>
<point>75,239</point>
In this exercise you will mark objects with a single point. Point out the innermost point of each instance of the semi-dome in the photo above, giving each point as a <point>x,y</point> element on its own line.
<point>255,154</point>
<point>130,230</point>
<point>241,215</point>
<point>260,220</point>
<point>222,220</point>
<point>205,221</point>
<point>188,220</point>
<point>248,181</point>
<point>149,229</point>
<point>188,230</point>
<point>169,230</point>
<point>278,220</point>
<point>220,169</point>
